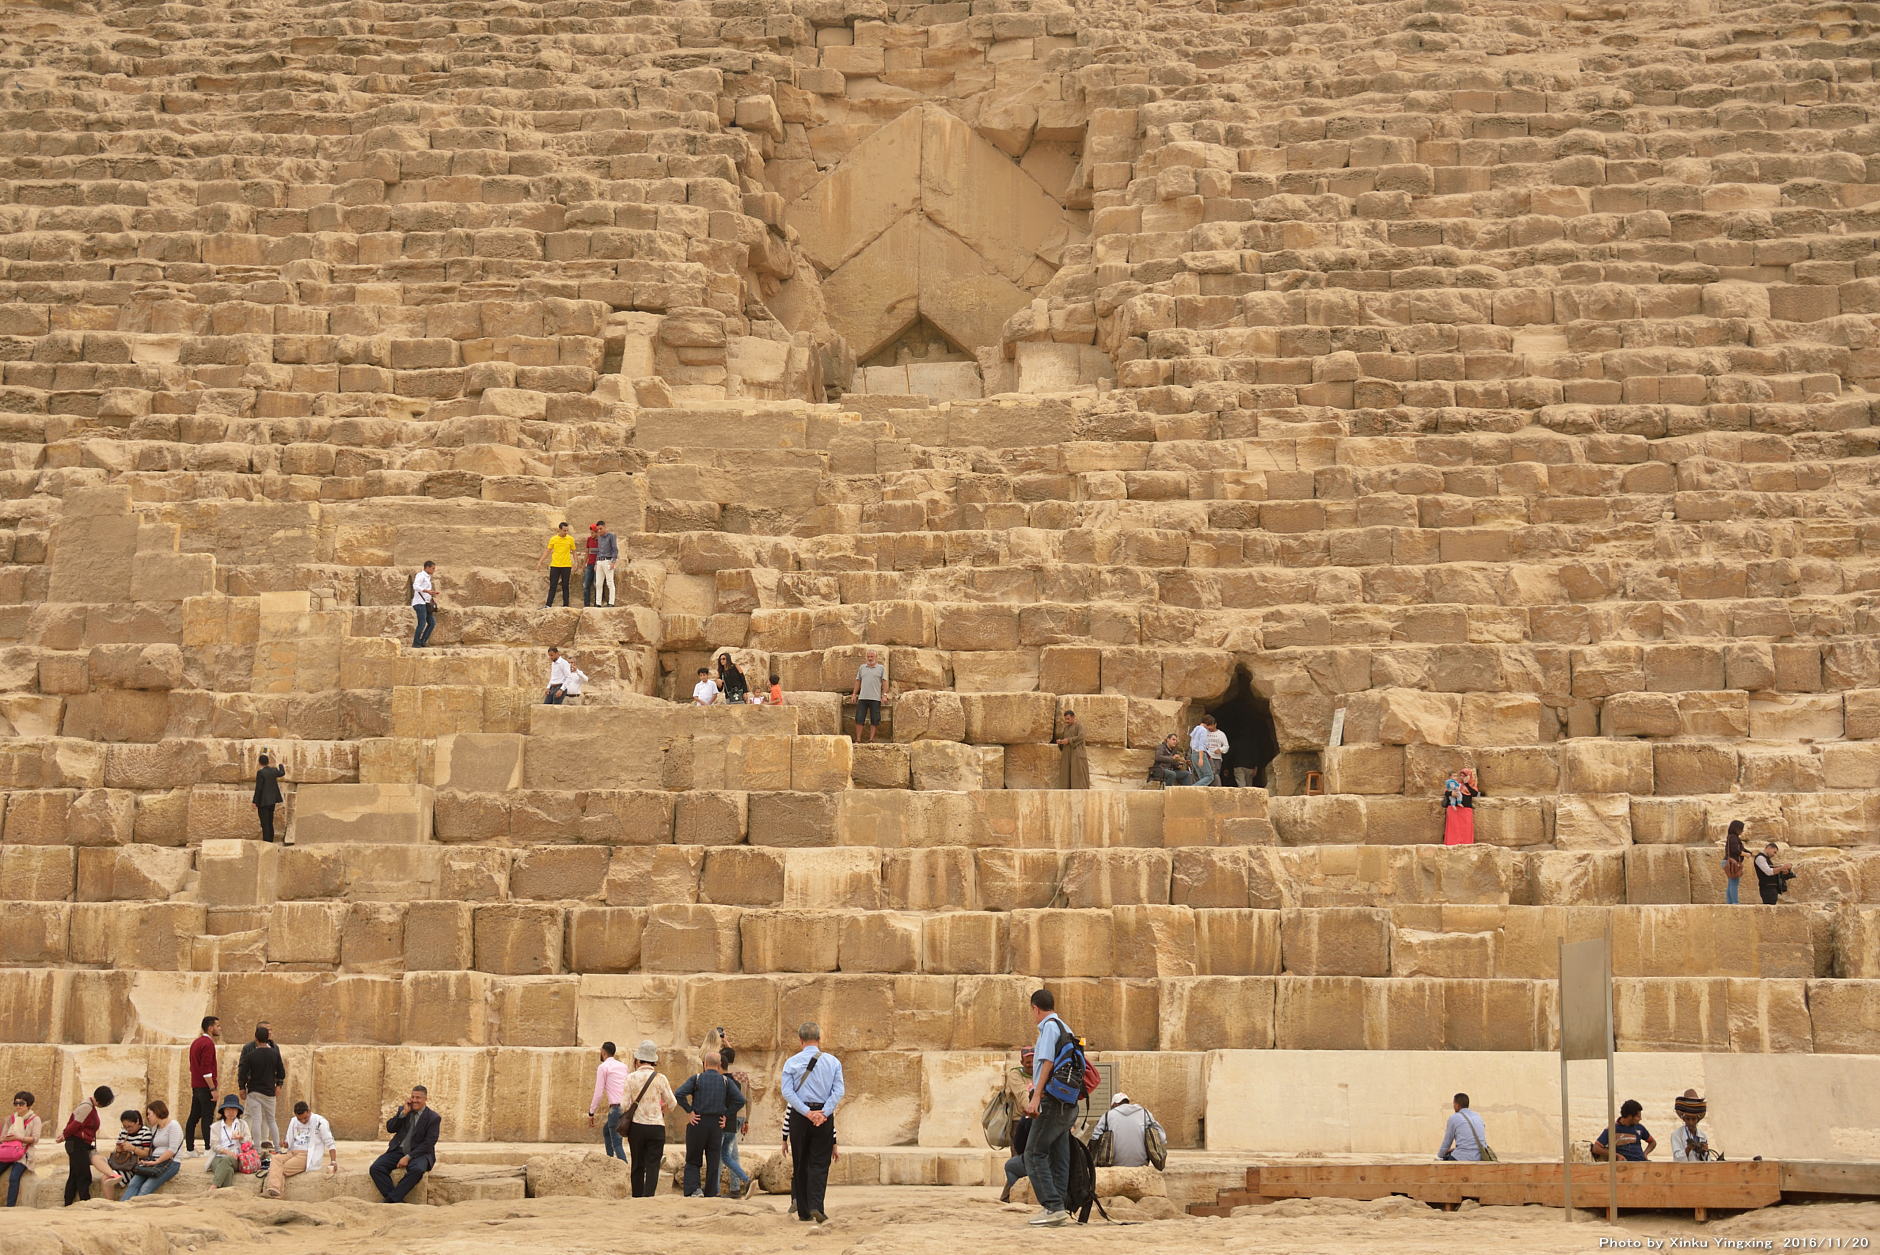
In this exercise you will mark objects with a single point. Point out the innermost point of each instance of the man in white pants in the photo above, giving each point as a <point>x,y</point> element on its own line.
<point>606,553</point>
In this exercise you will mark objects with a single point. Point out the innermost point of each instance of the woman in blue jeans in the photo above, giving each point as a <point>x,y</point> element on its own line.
<point>728,1149</point>
<point>1732,860</point>
<point>166,1144</point>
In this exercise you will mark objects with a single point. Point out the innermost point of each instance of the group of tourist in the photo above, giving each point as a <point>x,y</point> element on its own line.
<point>730,688</point>
<point>240,1135</point>
<point>1465,1137</point>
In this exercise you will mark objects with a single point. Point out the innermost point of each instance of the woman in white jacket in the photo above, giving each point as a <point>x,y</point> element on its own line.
<point>226,1139</point>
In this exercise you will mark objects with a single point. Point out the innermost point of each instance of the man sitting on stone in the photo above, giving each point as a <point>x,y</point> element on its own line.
<point>1171,764</point>
<point>309,1142</point>
<point>1635,1140</point>
<point>414,1128</point>
<point>1128,1125</point>
<point>1690,1144</point>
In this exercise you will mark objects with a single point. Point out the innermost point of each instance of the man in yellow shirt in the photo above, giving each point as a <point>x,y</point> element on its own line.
<point>559,555</point>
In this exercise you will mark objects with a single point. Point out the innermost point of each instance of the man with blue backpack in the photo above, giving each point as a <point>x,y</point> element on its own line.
<point>1058,1084</point>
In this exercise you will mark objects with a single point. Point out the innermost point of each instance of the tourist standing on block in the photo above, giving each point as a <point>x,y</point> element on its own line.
<point>259,1075</point>
<point>731,679</point>
<point>424,605</point>
<point>871,687</point>
<point>776,691</point>
<point>309,1145</point>
<point>646,1118</point>
<point>1073,761</point>
<point>559,671</point>
<point>81,1138</point>
<point>268,793</point>
<point>1464,1136</point>
<point>226,1140</point>
<point>166,1143</point>
<point>705,692</point>
<point>1733,852</point>
<point>1198,750</point>
<point>202,1077</point>
<point>413,1148</point>
<point>710,1100</point>
<point>812,1091</point>
<point>1459,794</point>
<point>610,1085</point>
<point>1048,1152</point>
<point>591,558</point>
<point>19,1133</point>
<point>1217,754</point>
<point>558,554</point>
<point>606,555</point>
<point>1772,878</point>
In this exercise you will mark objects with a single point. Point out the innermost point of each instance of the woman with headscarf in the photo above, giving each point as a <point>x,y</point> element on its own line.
<point>731,680</point>
<point>1459,794</point>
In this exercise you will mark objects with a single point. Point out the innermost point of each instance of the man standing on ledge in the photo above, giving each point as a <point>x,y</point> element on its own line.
<point>268,794</point>
<point>812,1088</point>
<point>871,687</point>
<point>610,1084</point>
<point>414,1127</point>
<point>1074,761</point>
<point>558,554</point>
<point>202,1077</point>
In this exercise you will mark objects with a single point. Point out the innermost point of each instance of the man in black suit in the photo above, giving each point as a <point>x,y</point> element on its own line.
<point>268,795</point>
<point>413,1146</point>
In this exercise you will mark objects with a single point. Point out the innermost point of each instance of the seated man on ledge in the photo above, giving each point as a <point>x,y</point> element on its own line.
<point>413,1146</point>
<point>1634,1139</point>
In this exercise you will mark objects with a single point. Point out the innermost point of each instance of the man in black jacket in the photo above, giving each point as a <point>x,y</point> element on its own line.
<point>414,1127</point>
<point>259,1075</point>
<point>268,795</point>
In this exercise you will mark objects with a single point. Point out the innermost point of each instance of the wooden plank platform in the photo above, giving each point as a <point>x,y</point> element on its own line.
<point>1658,1186</point>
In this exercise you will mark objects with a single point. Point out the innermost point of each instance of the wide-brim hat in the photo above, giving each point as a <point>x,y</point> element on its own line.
<point>231,1101</point>
<point>646,1052</point>
<point>1690,1107</point>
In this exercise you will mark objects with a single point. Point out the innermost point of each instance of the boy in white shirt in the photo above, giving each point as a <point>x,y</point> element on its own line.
<point>309,1144</point>
<point>705,692</point>
<point>424,604</point>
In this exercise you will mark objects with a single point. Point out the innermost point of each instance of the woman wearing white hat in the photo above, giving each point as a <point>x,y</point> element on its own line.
<point>645,1118</point>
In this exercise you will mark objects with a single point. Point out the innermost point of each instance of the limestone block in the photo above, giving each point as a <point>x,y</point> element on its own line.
<point>1796,716</point>
<point>1324,820</point>
<point>789,941</point>
<point>379,814</point>
<point>1785,770</point>
<point>478,761</point>
<point>38,936</point>
<point>794,819</point>
<point>1218,1012</point>
<point>1664,821</point>
<point>1008,718</point>
<point>1850,765</point>
<point>654,875</point>
<point>1769,1017</point>
<point>131,873</point>
<point>1060,943</point>
<point>372,938</point>
<point>880,941</point>
<point>518,940</point>
<point>1395,716</point>
<point>927,715</point>
<point>1154,940</point>
<point>1607,766</point>
<point>1574,877</point>
<point>1364,769</point>
<point>306,933</point>
<point>1237,942</point>
<point>1640,714</point>
<point>1693,768</point>
<point>1499,1014</point>
<point>1209,878</point>
<point>1014,879</point>
<point>1501,719</point>
<point>756,762</point>
<point>582,1174</point>
<point>146,936</point>
<point>1032,766</point>
<point>742,876</point>
<point>820,763</point>
<point>1317,1012</point>
<point>440,936</point>
<point>1329,941</point>
<point>884,765</point>
<point>965,942</point>
<point>1671,1014</point>
<point>1514,821</point>
<point>559,873</point>
<point>1593,821</point>
<point>38,873</point>
<point>709,818</point>
<point>691,939</point>
<point>831,879</point>
<point>944,765</point>
<point>1090,878</point>
<point>1844,1015</point>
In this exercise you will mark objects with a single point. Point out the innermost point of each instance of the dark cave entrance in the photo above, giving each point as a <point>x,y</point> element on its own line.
<point>1252,740</point>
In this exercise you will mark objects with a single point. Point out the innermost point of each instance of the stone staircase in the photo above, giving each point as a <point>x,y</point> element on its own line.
<point>1497,389</point>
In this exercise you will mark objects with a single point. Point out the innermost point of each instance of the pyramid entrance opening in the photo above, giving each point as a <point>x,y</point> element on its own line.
<point>1253,756</point>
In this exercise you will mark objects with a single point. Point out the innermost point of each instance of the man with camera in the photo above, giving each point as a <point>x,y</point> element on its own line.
<point>414,1128</point>
<point>1772,878</point>
<point>1690,1144</point>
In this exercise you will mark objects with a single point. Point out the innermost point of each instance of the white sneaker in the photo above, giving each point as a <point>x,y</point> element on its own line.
<point>1053,1220</point>
<point>1043,1217</point>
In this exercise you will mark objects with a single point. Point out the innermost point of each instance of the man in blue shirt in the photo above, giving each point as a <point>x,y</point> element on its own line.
<point>1635,1140</point>
<point>1048,1151</point>
<point>812,1089</point>
<point>1463,1136</point>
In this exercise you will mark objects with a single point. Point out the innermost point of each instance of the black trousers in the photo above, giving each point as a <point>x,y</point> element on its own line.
<point>78,1178</point>
<point>704,1141</point>
<point>646,1144</point>
<point>201,1107</point>
<point>558,575</point>
<point>1770,894</point>
<point>812,1147</point>
<point>386,1164</point>
<point>266,811</point>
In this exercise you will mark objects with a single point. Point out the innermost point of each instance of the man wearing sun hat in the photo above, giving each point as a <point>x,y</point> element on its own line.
<point>1690,1144</point>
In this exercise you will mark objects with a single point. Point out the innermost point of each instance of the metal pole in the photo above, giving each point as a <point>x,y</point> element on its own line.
<point>1566,1135</point>
<point>1612,1097</point>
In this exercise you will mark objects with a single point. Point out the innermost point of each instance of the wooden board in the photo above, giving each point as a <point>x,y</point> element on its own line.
<point>1814,1176</point>
<point>1641,1185</point>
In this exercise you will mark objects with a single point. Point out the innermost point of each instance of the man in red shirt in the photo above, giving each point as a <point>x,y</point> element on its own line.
<point>593,553</point>
<point>202,1076</point>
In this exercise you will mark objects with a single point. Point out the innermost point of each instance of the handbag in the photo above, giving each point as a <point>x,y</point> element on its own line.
<point>248,1159</point>
<point>1155,1145</point>
<point>12,1152</point>
<point>1481,1139</point>
<point>625,1122</point>
<point>1733,868</point>
<point>122,1160</point>
<point>145,1168</point>
<point>997,1121</point>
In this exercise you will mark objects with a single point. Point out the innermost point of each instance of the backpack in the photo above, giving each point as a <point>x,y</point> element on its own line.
<point>998,1121</point>
<point>1103,1148</point>
<point>248,1159</point>
<point>1080,1187</point>
<point>1072,1076</point>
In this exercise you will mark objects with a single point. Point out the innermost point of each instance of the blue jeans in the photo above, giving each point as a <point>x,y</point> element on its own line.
<point>728,1155</point>
<point>427,621</point>
<point>14,1172</point>
<point>1729,891</point>
<point>140,1185</point>
<point>1204,769</point>
<point>610,1138</point>
<point>1048,1153</point>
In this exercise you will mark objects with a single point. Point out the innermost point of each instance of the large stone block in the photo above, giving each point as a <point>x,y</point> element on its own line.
<point>1218,1013</point>
<point>793,819</point>
<point>515,940</point>
<point>964,942</point>
<point>1009,718</point>
<point>789,941</point>
<point>709,818</point>
<point>559,873</point>
<point>374,814</point>
<point>1332,941</point>
<point>691,939</point>
<point>1845,1015</point>
<point>1607,766</point>
<point>487,762</point>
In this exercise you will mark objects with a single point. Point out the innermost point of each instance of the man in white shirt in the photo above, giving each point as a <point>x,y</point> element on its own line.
<point>576,678</point>
<point>705,692</point>
<point>1217,753</point>
<point>424,604</point>
<point>610,1084</point>
<point>309,1143</point>
<point>558,674</point>
<point>1690,1144</point>
<point>1198,747</point>
<point>1463,1136</point>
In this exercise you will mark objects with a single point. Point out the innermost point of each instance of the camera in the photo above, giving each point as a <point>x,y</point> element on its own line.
<point>1782,881</point>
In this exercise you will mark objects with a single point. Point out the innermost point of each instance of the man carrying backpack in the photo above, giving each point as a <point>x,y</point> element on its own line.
<point>1056,1087</point>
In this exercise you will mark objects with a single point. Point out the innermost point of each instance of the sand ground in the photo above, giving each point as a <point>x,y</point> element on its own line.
<point>876,1221</point>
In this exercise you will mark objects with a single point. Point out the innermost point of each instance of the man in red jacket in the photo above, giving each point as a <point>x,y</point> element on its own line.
<point>202,1074</point>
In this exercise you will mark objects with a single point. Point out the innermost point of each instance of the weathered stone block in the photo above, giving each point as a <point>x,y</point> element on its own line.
<point>518,940</point>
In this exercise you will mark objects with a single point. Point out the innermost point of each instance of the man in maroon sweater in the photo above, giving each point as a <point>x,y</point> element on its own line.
<point>202,1075</point>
